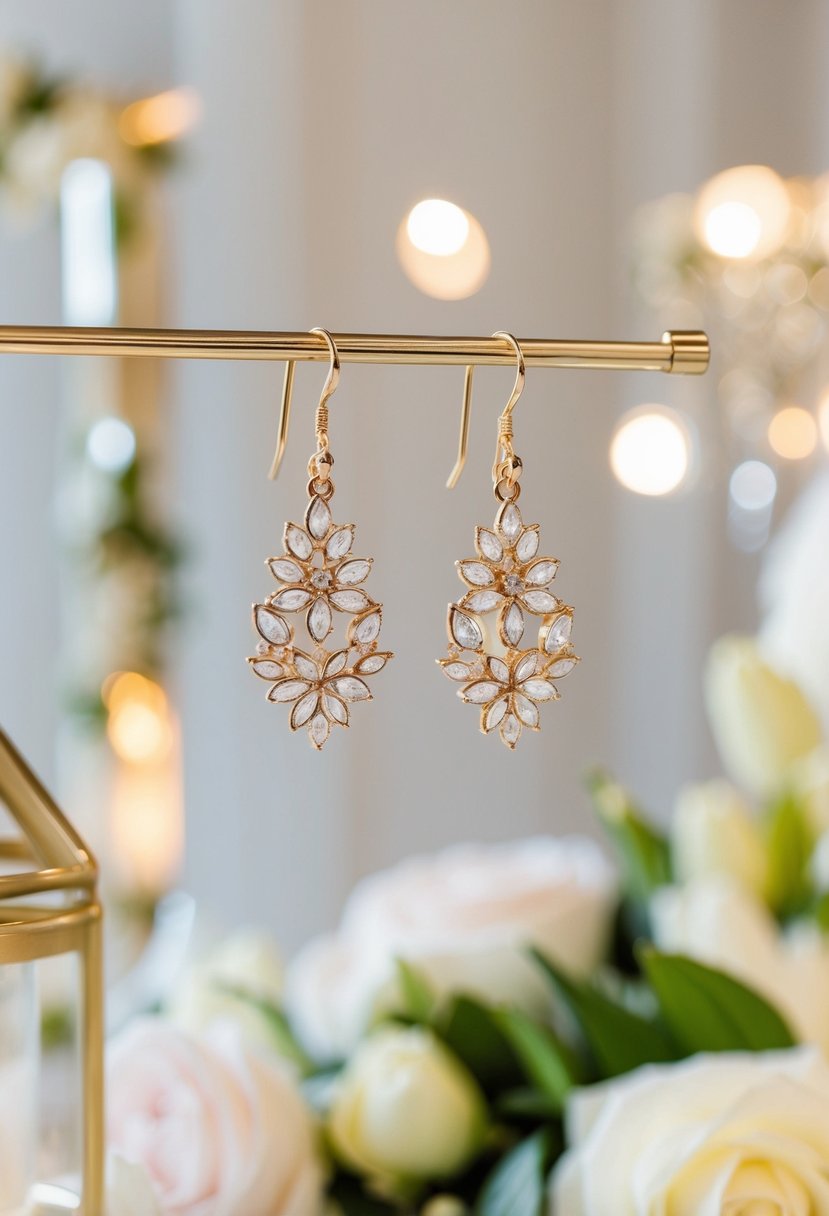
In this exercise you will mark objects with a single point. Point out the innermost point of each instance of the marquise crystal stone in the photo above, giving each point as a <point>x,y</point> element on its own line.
<point>508,577</point>
<point>317,574</point>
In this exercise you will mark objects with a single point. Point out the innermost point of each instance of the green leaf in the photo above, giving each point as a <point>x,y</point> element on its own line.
<point>526,1104</point>
<point>619,1040</point>
<point>472,1031</point>
<point>790,842</point>
<point>708,1010</point>
<point>351,1197</point>
<point>643,852</point>
<point>418,998</point>
<point>546,1061</point>
<point>518,1184</point>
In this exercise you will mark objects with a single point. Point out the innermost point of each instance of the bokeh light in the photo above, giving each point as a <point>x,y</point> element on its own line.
<point>110,444</point>
<point>160,119</point>
<point>743,212</point>
<point>650,450</point>
<point>823,419</point>
<point>753,485</point>
<point>443,250</point>
<point>793,433</point>
<point>138,724</point>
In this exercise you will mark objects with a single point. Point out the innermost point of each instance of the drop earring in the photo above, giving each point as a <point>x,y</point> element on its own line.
<point>317,575</point>
<point>507,682</point>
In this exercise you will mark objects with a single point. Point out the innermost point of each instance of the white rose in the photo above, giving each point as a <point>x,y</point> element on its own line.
<point>406,1108</point>
<point>794,591</point>
<point>761,721</point>
<point>719,923</point>
<point>465,919</point>
<point>713,832</point>
<point>245,965</point>
<point>219,1129</point>
<point>719,1135</point>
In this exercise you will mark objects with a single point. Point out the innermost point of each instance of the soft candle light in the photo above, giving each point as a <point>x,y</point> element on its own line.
<point>743,212</point>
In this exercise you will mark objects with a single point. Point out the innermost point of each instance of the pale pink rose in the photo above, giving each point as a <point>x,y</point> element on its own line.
<point>219,1129</point>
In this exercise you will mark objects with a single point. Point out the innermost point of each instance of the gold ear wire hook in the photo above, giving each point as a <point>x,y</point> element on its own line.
<point>505,420</point>
<point>321,420</point>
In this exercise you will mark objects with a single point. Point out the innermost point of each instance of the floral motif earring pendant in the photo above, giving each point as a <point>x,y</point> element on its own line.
<point>317,574</point>
<point>497,671</point>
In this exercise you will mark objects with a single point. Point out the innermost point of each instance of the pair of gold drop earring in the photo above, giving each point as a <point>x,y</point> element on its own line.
<point>318,575</point>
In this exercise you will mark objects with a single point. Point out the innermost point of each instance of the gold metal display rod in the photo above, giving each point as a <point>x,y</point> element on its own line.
<point>679,351</point>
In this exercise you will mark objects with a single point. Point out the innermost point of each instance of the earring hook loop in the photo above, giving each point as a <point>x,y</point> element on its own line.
<point>505,419</point>
<point>321,419</point>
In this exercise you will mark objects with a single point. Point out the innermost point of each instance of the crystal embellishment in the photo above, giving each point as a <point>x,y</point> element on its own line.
<point>506,682</point>
<point>317,574</point>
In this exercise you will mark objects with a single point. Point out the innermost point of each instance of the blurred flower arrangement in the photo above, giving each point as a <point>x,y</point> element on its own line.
<point>747,258</point>
<point>520,1029</point>
<point>93,162</point>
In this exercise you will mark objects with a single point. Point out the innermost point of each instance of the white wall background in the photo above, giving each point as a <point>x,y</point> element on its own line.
<point>550,121</point>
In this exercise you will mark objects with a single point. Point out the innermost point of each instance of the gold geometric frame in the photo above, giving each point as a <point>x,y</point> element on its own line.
<point>56,859</point>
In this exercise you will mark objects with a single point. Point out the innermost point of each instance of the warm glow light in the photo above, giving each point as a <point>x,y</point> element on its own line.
<point>650,450</point>
<point>160,119</point>
<point>110,444</point>
<point>437,226</point>
<point>793,433</point>
<point>823,418</point>
<point>138,723</point>
<point>148,823</point>
<point>443,250</point>
<point>753,486</point>
<point>743,212</point>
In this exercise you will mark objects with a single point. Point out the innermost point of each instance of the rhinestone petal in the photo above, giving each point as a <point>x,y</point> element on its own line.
<point>495,713</point>
<point>319,730</point>
<point>539,689</point>
<point>512,625</point>
<point>267,669</point>
<point>527,712</point>
<point>306,667</point>
<point>335,664</point>
<point>539,602</point>
<point>370,664</point>
<point>292,599</point>
<point>304,709</point>
<point>366,629</point>
<point>510,730</point>
<point>541,573</point>
<point>482,601</point>
<point>285,570</point>
<point>488,544</point>
<point>352,572</point>
<point>527,545</point>
<point>350,688</point>
<point>509,522</point>
<point>350,600</point>
<point>288,690</point>
<point>298,541</point>
<point>465,631</point>
<point>476,574</point>
<point>499,669</point>
<point>480,692</point>
<point>336,709</point>
<point>455,670</point>
<point>561,668</point>
<point>558,632</point>
<point>319,620</point>
<point>271,626</point>
<point>527,666</point>
<point>318,517</point>
<point>339,542</point>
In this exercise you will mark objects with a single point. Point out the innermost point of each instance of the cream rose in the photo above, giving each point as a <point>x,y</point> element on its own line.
<point>761,721</point>
<point>720,923</point>
<point>719,1135</point>
<point>464,918</point>
<point>713,832</point>
<point>218,1129</point>
<point>243,970</point>
<point>406,1108</point>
